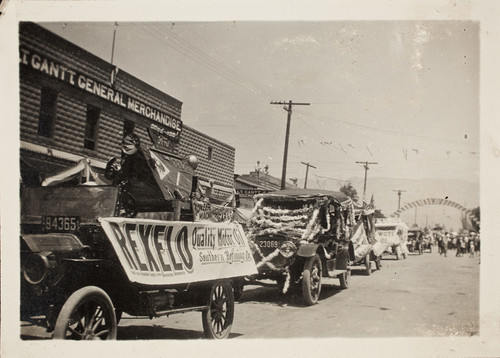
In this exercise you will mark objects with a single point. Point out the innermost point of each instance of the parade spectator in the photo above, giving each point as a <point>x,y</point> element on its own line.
<point>446,240</point>
<point>459,246</point>
<point>466,239</point>
<point>463,246</point>
<point>471,248</point>
<point>440,244</point>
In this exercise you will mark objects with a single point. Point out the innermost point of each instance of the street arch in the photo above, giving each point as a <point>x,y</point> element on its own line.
<point>437,201</point>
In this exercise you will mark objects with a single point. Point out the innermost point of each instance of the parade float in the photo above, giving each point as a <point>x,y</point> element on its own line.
<point>393,233</point>
<point>298,236</point>
<point>364,242</point>
<point>140,240</point>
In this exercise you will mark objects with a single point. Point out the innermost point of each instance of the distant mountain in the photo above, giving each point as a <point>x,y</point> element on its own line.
<point>385,195</point>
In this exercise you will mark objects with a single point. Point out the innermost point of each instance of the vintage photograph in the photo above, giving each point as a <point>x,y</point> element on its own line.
<point>239,179</point>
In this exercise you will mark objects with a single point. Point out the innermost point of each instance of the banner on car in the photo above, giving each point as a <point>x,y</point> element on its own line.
<point>161,252</point>
<point>360,242</point>
<point>388,236</point>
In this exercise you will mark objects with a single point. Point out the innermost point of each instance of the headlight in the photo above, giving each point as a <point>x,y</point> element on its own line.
<point>287,249</point>
<point>36,267</point>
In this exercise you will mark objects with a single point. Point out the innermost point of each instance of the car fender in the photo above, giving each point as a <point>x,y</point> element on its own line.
<point>307,250</point>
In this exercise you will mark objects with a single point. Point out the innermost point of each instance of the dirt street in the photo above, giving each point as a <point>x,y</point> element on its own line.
<point>425,295</point>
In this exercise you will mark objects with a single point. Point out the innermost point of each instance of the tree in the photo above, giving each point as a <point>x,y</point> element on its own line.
<point>349,190</point>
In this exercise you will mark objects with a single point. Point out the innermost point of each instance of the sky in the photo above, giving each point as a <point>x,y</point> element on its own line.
<point>403,94</point>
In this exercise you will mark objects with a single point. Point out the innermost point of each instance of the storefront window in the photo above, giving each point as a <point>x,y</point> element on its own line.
<point>46,121</point>
<point>128,127</point>
<point>91,126</point>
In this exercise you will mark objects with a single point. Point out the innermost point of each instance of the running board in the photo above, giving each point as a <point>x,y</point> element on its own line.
<point>336,273</point>
<point>179,310</point>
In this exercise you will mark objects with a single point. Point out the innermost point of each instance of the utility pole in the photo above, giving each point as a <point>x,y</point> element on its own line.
<point>307,171</point>
<point>287,135</point>
<point>399,197</point>
<point>365,164</point>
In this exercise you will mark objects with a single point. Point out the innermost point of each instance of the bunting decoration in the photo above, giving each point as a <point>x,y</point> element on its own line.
<point>349,147</point>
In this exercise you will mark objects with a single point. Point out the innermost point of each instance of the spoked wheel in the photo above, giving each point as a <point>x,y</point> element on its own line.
<point>311,280</point>
<point>344,279</point>
<point>368,265</point>
<point>88,314</point>
<point>218,318</point>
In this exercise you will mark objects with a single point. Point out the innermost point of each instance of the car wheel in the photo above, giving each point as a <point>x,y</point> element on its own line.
<point>311,280</point>
<point>218,317</point>
<point>368,265</point>
<point>345,279</point>
<point>88,314</point>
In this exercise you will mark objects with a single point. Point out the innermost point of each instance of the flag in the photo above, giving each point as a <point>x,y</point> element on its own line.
<point>369,208</point>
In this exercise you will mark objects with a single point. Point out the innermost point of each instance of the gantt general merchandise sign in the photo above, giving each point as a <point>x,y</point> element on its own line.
<point>51,68</point>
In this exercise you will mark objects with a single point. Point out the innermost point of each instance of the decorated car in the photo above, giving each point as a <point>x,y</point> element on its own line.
<point>141,241</point>
<point>364,243</point>
<point>298,236</point>
<point>416,240</point>
<point>393,233</point>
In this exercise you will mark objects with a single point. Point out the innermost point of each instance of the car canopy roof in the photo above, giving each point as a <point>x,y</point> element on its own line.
<point>285,194</point>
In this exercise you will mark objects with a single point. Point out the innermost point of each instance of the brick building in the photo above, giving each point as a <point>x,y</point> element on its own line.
<point>74,105</point>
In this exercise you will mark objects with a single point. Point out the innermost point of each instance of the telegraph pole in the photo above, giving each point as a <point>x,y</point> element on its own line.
<point>287,135</point>
<point>307,171</point>
<point>365,164</point>
<point>399,197</point>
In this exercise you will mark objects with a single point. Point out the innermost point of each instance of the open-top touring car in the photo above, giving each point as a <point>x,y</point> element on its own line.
<point>298,236</point>
<point>393,233</point>
<point>135,245</point>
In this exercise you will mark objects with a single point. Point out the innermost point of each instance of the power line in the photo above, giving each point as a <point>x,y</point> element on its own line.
<point>187,49</point>
<point>384,130</point>
<point>222,65</point>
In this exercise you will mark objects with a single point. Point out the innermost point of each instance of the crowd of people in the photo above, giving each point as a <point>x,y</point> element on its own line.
<point>464,244</point>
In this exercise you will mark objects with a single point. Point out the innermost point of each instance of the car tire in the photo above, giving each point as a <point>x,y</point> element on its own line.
<point>88,314</point>
<point>311,280</point>
<point>368,265</point>
<point>218,317</point>
<point>345,279</point>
